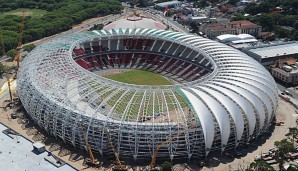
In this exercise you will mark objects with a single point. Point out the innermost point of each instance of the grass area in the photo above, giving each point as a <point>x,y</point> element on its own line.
<point>139,77</point>
<point>37,13</point>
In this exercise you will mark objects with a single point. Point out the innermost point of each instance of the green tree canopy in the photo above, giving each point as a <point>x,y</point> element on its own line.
<point>283,148</point>
<point>259,165</point>
<point>166,166</point>
<point>12,53</point>
<point>29,47</point>
<point>60,16</point>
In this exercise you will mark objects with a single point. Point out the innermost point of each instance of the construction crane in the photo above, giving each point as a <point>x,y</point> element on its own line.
<point>10,79</point>
<point>9,89</point>
<point>119,166</point>
<point>92,161</point>
<point>152,164</point>
<point>20,40</point>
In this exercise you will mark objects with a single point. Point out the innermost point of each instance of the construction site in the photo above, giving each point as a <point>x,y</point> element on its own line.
<point>75,119</point>
<point>18,127</point>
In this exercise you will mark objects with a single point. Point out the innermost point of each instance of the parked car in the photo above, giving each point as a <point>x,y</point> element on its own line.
<point>287,93</point>
<point>258,157</point>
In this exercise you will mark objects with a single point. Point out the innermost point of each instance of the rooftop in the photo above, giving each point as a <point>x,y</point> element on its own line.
<point>169,3</point>
<point>236,39</point>
<point>244,41</point>
<point>274,50</point>
<point>244,24</point>
<point>217,27</point>
<point>19,156</point>
<point>280,70</point>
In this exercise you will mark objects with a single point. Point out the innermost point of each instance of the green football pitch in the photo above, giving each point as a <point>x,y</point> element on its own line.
<point>139,77</point>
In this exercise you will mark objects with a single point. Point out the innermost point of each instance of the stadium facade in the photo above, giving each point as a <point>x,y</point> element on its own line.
<point>221,97</point>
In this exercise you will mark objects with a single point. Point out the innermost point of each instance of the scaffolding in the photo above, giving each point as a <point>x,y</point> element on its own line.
<point>61,93</point>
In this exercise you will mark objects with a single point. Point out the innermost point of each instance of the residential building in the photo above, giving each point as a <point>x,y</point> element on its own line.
<point>212,30</point>
<point>246,27</point>
<point>287,73</point>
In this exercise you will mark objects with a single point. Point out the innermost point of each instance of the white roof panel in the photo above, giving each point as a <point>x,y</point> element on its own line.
<point>220,114</point>
<point>276,50</point>
<point>205,117</point>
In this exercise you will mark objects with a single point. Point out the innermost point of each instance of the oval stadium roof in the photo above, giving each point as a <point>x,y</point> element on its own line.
<point>235,103</point>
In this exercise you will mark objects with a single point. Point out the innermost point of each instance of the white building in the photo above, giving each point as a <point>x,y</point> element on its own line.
<point>169,4</point>
<point>269,54</point>
<point>287,74</point>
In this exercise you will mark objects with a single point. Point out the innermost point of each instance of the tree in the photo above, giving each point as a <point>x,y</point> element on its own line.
<point>294,35</point>
<point>166,166</point>
<point>278,19</point>
<point>283,148</point>
<point>292,167</point>
<point>293,132</point>
<point>132,3</point>
<point>295,25</point>
<point>29,47</point>
<point>240,16</point>
<point>12,53</point>
<point>194,27</point>
<point>259,165</point>
<point>280,32</point>
<point>59,16</point>
<point>170,13</point>
<point>266,21</point>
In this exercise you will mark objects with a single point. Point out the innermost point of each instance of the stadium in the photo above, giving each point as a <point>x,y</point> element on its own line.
<point>217,98</point>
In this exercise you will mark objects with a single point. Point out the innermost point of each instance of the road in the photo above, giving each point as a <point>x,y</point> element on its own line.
<point>110,18</point>
<point>158,15</point>
<point>81,27</point>
<point>292,92</point>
